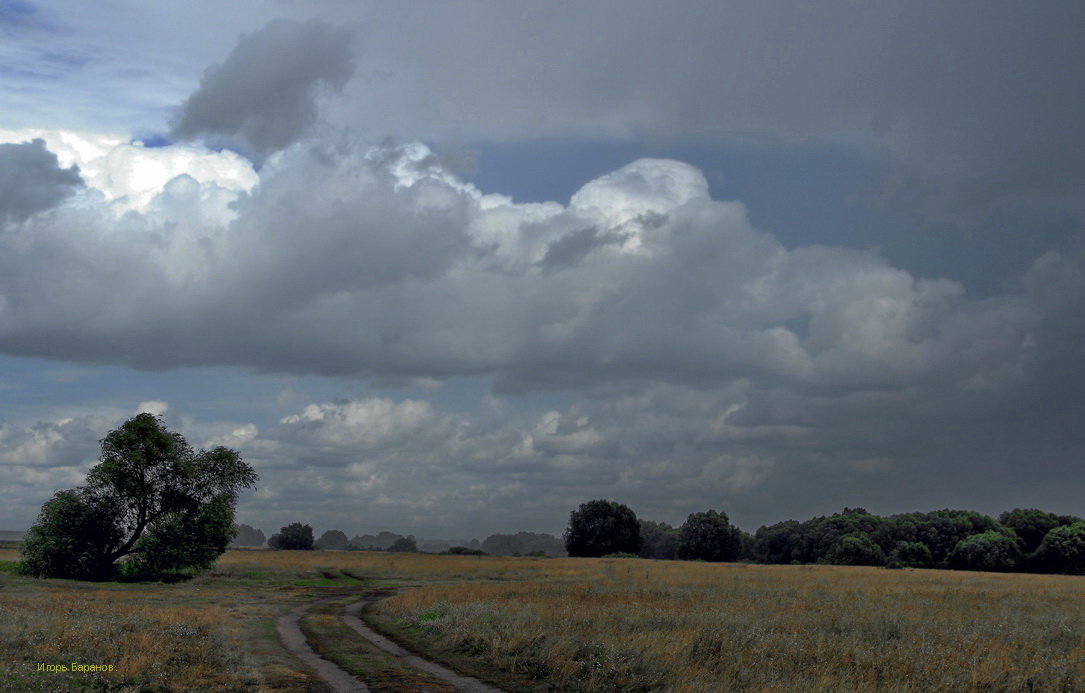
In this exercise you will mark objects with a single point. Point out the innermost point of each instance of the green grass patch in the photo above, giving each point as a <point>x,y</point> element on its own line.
<point>11,567</point>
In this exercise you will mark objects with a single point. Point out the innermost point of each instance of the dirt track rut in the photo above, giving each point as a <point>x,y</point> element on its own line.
<point>343,681</point>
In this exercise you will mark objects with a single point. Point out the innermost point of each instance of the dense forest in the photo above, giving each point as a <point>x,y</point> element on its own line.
<point>1020,540</point>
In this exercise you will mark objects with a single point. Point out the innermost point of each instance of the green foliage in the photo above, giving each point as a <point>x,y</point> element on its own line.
<point>991,550</point>
<point>332,539</point>
<point>621,554</point>
<point>186,541</point>
<point>73,537</point>
<point>660,540</point>
<point>151,497</point>
<point>709,536</point>
<point>776,543</point>
<point>910,554</point>
<point>1062,550</point>
<point>1030,526</point>
<point>600,527</point>
<point>856,548</point>
<point>293,537</point>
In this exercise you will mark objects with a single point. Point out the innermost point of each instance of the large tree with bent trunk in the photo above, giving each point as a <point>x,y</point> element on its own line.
<point>152,502</point>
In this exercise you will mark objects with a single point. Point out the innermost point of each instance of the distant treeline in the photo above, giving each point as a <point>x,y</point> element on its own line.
<point>1027,540</point>
<point>519,544</point>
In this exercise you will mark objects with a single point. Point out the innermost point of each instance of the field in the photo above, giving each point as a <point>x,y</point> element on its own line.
<point>554,624</point>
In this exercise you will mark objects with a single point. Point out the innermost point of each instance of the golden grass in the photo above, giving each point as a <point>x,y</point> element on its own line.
<point>149,647</point>
<point>577,624</point>
<point>645,625</point>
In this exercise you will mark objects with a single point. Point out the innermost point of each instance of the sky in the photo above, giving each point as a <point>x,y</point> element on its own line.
<point>453,269</point>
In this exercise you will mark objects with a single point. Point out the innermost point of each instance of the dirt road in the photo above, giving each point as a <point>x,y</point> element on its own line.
<point>342,681</point>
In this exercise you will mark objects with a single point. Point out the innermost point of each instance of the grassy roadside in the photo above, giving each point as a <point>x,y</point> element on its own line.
<point>214,632</point>
<point>475,662</point>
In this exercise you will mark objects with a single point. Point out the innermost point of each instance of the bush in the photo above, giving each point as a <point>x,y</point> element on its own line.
<point>991,551</point>
<point>293,537</point>
<point>464,551</point>
<point>1062,550</point>
<point>911,554</point>
<point>856,548</point>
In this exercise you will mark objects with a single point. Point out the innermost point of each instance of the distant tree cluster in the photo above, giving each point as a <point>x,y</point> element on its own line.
<point>1019,540</point>
<point>247,536</point>
<point>523,544</point>
<point>293,537</point>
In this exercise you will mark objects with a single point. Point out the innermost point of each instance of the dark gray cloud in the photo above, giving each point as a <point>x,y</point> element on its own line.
<point>977,99</point>
<point>263,96</point>
<point>31,180</point>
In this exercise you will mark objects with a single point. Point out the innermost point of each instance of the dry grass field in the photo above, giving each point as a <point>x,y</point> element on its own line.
<point>564,624</point>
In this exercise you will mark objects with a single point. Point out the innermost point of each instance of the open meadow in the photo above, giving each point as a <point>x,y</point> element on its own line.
<point>553,624</point>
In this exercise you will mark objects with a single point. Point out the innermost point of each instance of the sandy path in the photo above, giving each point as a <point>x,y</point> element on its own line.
<point>294,641</point>
<point>462,683</point>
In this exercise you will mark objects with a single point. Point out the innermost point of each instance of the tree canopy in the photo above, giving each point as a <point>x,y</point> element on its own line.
<point>151,500</point>
<point>292,537</point>
<point>709,536</point>
<point>601,527</point>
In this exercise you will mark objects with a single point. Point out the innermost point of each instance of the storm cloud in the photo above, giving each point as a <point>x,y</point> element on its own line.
<point>31,180</point>
<point>263,96</point>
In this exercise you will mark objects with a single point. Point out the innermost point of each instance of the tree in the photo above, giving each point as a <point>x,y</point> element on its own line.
<point>856,548</point>
<point>151,500</point>
<point>992,551</point>
<point>602,527</point>
<point>709,536</point>
<point>332,539</point>
<point>660,540</point>
<point>405,544</point>
<point>776,543</point>
<point>1062,550</point>
<point>1030,525</point>
<point>293,537</point>
<point>248,536</point>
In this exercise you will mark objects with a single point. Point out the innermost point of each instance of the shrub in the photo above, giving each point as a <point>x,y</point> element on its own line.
<point>992,551</point>
<point>1062,550</point>
<point>856,548</point>
<point>911,554</point>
